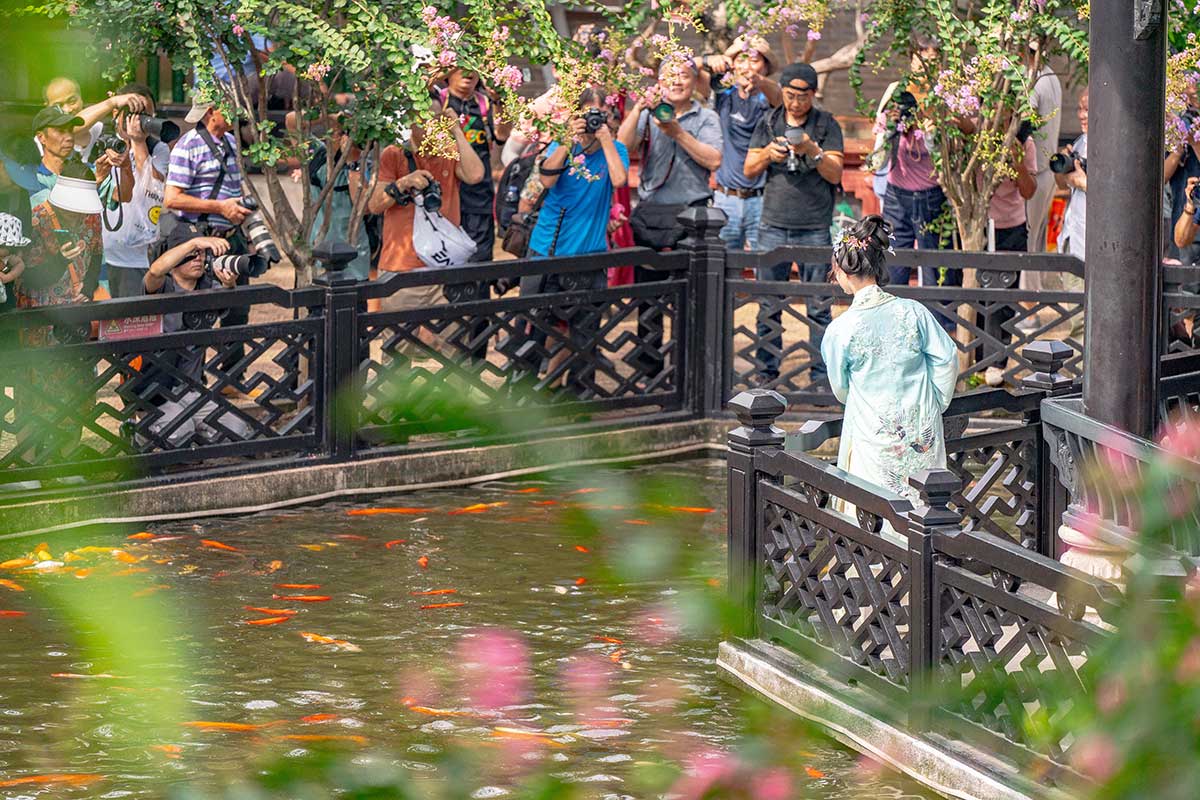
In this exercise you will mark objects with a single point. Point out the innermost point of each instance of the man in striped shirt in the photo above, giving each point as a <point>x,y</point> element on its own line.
<point>203,186</point>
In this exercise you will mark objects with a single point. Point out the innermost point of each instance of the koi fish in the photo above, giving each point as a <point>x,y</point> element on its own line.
<point>213,543</point>
<point>13,613</point>
<point>316,737</point>
<point>582,549</point>
<point>636,522</point>
<point>274,566</point>
<point>234,727</point>
<point>17,563</point>
<point>78,676</point>
<point>423,562</point>
<point>268,620</point>
<point>316,548</point>
<point>394,542</point>
<point>149,590</point>
<point>274,612</point>
<point>82,573</point>
<point>434,591</point>
<point>814,773</point>
<point>170,750</point>
<point>370,512</point>
<point>341,644</point>
<point>12,585</point>
<point>57,778</point>
<point>318,717</point>
<point>615,656</point>
<point>518,733</point>
<point>691,509</point>
<point>353,536</point>
<point>303,598</point>
<point>443,605</point>
<point>437,712</point>
<point>580,581</point>
<point>586,491</point>
<point>141,537</point>
<point>297,586</point>
<point>477,508</point>
<point>608,639</point>
<point>545,502</point>
<point>530,490</point>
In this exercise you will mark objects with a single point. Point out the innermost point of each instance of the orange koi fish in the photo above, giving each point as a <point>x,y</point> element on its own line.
<point>341,644</point>
<point>585,491</point>
<point>233,727</point>
<point>316,548</point>
<point>297,586</point>
<point>582,549</point>
<point>141,537</point>
<point>316,737</point>
<point>149,590</point>
<point>17,563</point>
<point>477,508</point>
<point>353,536</point>
<point>423,562</point>
<point>13,585</point>
<point>443,605</point>
<point>61,779</point>
<point>82,573</point>
<point>691,509</point>
<point>318,717</point>
<point>13,613</point>
<point>170,750</point>
<point>303,598</point>
<point>370,512</point>
<point>274,612</point>
<point>530,490</point>
<point>607,639</point>
<point>394,542</point>
<point>434,591</point>
<point>438,712</point>
<point>213,543</point>
<point>636,522</point>
<point>518,733</point>
<point>545,502</point>
<point>580,581</point>
<point>77,676</point>
<point>268,620</point>
<point>274,566</point>
<point>814,773</point>
<point>615,656</point>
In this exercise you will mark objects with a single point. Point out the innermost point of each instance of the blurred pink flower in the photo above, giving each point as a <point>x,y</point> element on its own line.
<point>774,784</point>
<point>814,36</point>
<point>495,668</point>
<point>238,30</point>
<point>1188,668</point>
<point>704,772</point>
<point>1096,756</point>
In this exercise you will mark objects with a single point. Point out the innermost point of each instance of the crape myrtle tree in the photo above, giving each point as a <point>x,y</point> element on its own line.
<point>979,74</point>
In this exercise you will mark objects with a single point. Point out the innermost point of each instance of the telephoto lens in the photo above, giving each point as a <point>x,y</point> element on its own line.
<point>594,119</point>
<point>236,265</point>
<point>162,129</point>
<point>256,231</point>
<point>1061,164</point>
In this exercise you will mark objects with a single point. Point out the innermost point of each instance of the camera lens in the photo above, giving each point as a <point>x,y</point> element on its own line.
<point>1061,164</point>
<point>161,129</point>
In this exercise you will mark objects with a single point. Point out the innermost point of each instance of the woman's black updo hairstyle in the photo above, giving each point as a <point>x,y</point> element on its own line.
<point>862,249</point>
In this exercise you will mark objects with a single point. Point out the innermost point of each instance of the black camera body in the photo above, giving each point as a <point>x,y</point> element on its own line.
<point>1024,131</point>
<point>1064,163</point>
<point>906,103</point>
<point>111,141</point>
<point>430,197</point>
<point>594,119</point>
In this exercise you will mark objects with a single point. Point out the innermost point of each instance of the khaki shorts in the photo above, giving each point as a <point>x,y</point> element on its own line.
<point>418,297</point>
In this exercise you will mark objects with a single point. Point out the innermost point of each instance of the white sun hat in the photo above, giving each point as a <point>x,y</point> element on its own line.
<point>75,194</point>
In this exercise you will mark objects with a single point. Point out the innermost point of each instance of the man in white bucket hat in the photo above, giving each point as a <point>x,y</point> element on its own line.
<point>12,239</point>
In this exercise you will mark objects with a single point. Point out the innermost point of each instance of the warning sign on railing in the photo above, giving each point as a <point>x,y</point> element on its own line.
<point>116,330</point>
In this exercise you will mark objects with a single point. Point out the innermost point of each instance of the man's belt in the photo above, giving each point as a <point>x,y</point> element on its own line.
<point>742,193</point>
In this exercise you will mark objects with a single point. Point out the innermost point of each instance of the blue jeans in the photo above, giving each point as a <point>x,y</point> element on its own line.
<point>770,328</point>
<point>910,214</point>
<point>742,220</point>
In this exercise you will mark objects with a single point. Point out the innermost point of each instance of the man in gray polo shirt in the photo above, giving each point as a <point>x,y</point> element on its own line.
<point>680,145</point>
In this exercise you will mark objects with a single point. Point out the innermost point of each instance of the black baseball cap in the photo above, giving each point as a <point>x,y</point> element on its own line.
<point>804,73</point>
<point>55,117</point>
<point>182,232</point>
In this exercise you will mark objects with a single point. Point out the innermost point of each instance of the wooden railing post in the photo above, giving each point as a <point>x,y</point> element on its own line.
<point>1048,359</point>
<point>933,515</point>
<point>756,410</point>
<point>706,308</point>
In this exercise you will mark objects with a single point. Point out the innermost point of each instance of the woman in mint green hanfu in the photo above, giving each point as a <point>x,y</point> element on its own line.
<point>890,363</point>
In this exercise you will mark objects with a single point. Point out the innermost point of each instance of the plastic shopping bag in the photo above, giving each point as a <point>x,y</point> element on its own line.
<point>438,242</point>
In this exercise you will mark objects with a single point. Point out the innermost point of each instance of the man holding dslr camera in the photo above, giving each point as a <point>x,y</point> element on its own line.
<point>191,263</point>
<point>799,147</point>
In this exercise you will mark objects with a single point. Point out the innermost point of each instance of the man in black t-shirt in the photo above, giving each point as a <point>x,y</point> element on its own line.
<point>799,147</point>
<point>477,113</point>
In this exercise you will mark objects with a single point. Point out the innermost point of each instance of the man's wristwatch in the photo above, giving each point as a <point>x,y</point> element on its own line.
<point>817,158</point>
<point>393,191</point>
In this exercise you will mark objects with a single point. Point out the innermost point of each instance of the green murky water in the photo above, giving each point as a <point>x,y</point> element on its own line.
<point>395,680</point>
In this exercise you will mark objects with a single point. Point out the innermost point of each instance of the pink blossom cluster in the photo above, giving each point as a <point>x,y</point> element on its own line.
<point>316,72</point>
<point>508,76</point>
<point>446,33</point>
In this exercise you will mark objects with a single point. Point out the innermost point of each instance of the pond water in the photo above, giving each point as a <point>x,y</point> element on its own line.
<point>158,630</point>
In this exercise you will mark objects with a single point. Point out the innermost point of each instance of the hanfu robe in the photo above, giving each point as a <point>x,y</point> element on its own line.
<point>894,368</point>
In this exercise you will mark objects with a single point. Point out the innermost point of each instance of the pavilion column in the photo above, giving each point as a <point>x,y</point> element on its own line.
<point>1124,216</point>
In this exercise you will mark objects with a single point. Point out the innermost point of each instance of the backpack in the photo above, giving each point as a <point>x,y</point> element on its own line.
<point>512,181</point>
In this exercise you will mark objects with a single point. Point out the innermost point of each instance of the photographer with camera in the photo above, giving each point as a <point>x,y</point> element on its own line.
<point>1180,167</point>
<point>741,107</point>
<point>573,219</point>
<point>799,148</point>
<point>191,263</point>
<point>407,176</point>
<point>125,245</point>
<point>54,131</point>
<point>1070,172</point>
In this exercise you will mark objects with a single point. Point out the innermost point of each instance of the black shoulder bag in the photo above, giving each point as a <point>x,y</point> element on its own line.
<point>655,224</point>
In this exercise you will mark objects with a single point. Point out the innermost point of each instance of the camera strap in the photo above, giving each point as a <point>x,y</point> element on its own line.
<point>220,153</point>
<point>646,152</point>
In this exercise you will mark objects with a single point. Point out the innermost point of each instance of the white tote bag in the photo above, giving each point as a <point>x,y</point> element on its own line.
<point>439,242</point>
